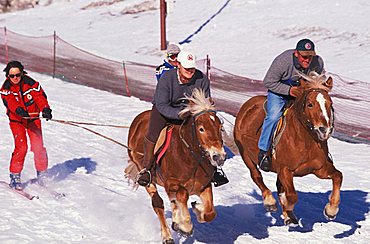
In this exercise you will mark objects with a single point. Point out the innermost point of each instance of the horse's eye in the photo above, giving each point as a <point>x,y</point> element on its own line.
<point>222,129</point>
<point>310,105</point>
<point>201,129</point>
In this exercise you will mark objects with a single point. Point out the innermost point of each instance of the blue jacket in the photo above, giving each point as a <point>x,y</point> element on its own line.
<point>166,66</point>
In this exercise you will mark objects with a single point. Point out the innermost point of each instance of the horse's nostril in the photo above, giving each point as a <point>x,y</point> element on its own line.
<point>322,129</point>
<point>216,157</point>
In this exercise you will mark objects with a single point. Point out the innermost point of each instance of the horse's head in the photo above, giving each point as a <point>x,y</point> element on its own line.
<point>206,126</point>
<point>314,105</point>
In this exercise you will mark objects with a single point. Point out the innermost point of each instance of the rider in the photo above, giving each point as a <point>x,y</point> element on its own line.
<point>170,91</point>
<point>171,62</point>
<point>282,83</point>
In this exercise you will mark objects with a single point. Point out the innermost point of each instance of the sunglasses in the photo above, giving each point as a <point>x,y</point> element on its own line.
<point>15,75</point>
<point>172,57</point>
<point>305,56</point>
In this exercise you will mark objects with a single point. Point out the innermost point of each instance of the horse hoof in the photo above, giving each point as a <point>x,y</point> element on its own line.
<point>329,216</point>
<point>270,208</point>
<point>175,226</point>
<point>170,241</point>
<point>291,219</point>
<point>185,234</point>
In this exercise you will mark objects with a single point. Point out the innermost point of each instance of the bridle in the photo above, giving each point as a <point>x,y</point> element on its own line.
<point>202,156</point>
<point>303,118</point>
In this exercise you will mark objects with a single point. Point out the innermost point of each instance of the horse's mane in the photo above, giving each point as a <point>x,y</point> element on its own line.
<point>198,102</point>
<point>315,80</point>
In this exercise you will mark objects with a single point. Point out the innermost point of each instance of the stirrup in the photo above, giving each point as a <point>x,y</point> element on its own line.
<point>265,163</point>
<point>219,178</point>
<point>144,177</point>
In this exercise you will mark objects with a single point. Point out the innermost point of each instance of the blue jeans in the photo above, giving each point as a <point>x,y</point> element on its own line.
<point>275,105</point>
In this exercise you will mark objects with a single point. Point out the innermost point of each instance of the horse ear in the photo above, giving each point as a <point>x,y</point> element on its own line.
<point>303,83</point>
<point>211,101</point>
<point>329,83</point>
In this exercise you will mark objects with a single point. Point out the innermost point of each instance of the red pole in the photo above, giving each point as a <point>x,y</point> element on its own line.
<point>163,14</point>
<point>126,80</point>
<point>54,53</point>
<point>6,46</point>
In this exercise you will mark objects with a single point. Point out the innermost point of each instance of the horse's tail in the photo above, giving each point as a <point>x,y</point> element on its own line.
<point>131,172</point>
<point>230,142</point>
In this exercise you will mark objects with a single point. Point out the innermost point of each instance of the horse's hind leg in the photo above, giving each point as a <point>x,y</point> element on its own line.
<point>205,211</point>
<point>157,203</point>
<point>328,171</point>
<point>287,195</point>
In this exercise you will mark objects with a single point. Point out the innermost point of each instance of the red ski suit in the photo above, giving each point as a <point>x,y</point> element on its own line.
<point>29,95</point>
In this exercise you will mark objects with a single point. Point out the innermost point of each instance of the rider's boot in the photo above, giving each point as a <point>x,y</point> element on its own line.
<point>264,161</point>
<point>219,177</point>
<point>145,177</point>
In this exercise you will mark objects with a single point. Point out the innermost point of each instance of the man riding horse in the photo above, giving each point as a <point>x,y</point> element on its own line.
<point>281,80</point>
<point>171,88</point>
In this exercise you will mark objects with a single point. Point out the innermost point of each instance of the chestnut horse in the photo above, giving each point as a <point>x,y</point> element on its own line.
<point>302,147</point>
<point>187,167</point>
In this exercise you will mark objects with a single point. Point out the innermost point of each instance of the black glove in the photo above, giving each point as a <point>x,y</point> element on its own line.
<point>22,112</point>
<point>46,113</point>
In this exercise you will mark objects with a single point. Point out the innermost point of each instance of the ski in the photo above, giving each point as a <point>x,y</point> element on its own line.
<point>20,192</point>
<point>55,194</point>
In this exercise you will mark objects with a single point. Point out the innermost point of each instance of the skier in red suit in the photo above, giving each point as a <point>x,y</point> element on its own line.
<point>24,99</point>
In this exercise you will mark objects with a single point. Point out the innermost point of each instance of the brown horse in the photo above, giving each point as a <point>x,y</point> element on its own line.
<point>186,168</point>
<point>302,147</point>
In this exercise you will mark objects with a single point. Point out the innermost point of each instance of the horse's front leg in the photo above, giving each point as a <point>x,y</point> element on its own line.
<point>269,201</point>
<point>205,211</point>
<point>287,195</point>
<point>328,171</point>
<point>157,204</point>
<point>181,219</point>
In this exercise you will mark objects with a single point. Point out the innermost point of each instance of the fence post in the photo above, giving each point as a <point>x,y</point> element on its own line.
<point>54,53</point>
<point>6,46</point>
<point>208,67</point>
<point>126,80</point>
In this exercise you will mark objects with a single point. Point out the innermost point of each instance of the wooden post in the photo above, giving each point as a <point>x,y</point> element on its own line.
<point>6,46</point>
<point>54,54</point>
<point>163,14</point>
<point>126,79</point>
<point>208,67</point>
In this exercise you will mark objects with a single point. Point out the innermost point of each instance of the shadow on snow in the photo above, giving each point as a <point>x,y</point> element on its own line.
<point>251,219</point>
<point>61,171</point>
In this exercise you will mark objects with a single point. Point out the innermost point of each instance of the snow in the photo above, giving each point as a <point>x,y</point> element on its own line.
<point>242,38</point>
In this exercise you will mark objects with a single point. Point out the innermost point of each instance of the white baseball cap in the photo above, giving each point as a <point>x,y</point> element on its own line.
<point>187,59</point>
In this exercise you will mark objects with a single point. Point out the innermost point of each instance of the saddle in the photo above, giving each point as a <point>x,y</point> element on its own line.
<point>163,142</point>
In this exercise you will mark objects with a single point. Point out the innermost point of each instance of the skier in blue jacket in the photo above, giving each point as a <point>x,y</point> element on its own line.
<point>171,62</point>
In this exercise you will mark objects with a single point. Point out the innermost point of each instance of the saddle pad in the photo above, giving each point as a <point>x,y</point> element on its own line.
<point>166,135</point>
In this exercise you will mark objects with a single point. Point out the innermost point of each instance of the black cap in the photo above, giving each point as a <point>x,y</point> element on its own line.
<point>306,47</point>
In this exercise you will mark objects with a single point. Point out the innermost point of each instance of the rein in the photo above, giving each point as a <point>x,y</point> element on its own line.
<point>199,159</point>
<point>78,124</point>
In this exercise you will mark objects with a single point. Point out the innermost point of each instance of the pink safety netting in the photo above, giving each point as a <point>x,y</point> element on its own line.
<point>56,57</point>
